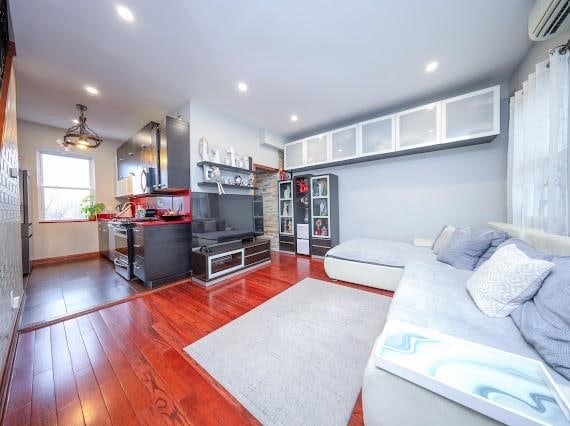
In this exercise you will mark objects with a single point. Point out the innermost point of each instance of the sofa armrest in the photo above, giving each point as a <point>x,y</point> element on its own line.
<point>423,242</point>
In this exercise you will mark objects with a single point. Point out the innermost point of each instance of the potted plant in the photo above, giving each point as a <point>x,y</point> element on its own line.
<point>90,209</point>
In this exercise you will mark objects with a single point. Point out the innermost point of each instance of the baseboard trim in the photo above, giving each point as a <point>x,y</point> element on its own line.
<point>63,259</point>
<point>9,365</point>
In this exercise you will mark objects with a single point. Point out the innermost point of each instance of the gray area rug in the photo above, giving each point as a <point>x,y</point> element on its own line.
<point>299,358</point>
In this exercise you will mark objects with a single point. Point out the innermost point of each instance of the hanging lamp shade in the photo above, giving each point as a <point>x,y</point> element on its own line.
<point>80,135</point>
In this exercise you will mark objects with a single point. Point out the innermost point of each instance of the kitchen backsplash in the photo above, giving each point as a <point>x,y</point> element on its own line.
<point>178,202</point>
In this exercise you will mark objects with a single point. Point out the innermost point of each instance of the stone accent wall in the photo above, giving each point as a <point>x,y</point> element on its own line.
<point>10,238</point>
<point>267,188</point>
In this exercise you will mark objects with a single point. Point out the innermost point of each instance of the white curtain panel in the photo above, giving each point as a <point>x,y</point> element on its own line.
<point>538,148</point>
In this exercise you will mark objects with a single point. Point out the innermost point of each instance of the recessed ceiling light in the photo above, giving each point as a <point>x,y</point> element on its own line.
<point>92,90</point>
<point>432,66</point>
<point>125,13</point>
<point>75,121</point>
<point>294,118</point>
<point>242,87</point>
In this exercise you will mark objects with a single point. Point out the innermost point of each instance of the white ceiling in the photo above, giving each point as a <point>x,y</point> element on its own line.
<point>325,60</point>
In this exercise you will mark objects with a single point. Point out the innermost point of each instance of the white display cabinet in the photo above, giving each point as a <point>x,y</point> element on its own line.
<point>344,143</point>
<point>294,155</point>
<point>471,116</point>
<point>418,127</point>
<point>467,119</point>
<point>317,148</point>
<point>378,136</point>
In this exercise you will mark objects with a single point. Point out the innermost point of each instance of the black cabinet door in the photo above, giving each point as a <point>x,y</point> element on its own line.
<point>122,163</point>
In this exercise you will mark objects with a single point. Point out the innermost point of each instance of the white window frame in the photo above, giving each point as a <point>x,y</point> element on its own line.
<point>41,187</point>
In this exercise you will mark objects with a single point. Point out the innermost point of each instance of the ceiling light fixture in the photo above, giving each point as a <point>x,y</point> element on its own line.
<point>91,90</point>
<point>242,87</point>
<point>432,66</point>
<point>80,135</point>
<point>125,13</point>
<point>75,121</point>
<point>294,118</point>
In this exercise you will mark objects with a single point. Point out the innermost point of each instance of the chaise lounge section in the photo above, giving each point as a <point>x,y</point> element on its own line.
<point>432,294</point>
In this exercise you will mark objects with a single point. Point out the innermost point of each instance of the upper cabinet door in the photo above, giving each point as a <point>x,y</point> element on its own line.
<point>378,136</point>
<point>294,153</point>
<point>343,143</point>
<point>317,149</point>
<point>418,127</point>
<point>473,115</point>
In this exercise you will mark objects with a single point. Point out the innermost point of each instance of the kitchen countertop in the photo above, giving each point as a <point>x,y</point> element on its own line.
<point>163,222</point>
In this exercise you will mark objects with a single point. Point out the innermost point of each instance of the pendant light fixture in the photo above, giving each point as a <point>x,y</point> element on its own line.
<point>80,135</point>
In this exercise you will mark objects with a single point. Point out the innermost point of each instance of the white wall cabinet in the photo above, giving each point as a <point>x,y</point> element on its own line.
<point>378,135</point>
<point>470,118</point>
<point>418,127</point>
<point>343,143</point>
<point>473,115</point>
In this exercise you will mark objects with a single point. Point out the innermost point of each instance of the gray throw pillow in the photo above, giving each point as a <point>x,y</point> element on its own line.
<point>497,238</point>
<point>465,248</point>
<point>544,321</point>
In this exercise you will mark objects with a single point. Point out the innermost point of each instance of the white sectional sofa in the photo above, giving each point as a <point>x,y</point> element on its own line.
<point>374,263</point>
<point>433,295</point>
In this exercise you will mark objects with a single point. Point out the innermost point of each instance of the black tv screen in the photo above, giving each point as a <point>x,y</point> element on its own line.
<point>221,218</point>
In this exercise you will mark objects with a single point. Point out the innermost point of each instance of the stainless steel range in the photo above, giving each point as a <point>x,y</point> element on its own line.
<point>122,248</point>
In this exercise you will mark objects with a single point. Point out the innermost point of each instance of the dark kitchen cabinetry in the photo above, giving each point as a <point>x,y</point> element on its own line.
<point>103,230</point>
<point>162,253</point>
<point>156,158</point>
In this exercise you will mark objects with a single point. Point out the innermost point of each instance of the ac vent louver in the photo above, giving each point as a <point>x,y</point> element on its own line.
<point>548,18</point>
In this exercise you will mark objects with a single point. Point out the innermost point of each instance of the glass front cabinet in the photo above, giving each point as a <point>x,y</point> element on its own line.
<point>467,119</point>
<point>286,216</point>
<point>324,213</point>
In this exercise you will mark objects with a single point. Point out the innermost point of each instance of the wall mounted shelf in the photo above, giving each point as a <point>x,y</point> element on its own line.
<point>228,185</point>
<point>469,119</point>
<point>224,167</point>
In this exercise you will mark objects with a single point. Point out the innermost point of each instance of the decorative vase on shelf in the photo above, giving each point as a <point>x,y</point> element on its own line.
<point>232,155</point>
<point>203,148</point>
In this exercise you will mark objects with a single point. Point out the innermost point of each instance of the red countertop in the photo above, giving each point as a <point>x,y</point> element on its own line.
<point>163,222</point>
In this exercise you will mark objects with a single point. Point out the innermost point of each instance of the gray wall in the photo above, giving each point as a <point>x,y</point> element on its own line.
<point>537,53</point>
<point>415,195</point>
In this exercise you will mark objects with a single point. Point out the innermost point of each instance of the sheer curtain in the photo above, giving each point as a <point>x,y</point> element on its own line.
<point>538,148</point>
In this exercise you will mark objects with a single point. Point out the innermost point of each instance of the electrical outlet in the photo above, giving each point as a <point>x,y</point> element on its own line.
<point>15,300</point>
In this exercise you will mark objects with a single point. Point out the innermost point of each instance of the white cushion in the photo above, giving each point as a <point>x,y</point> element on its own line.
<point>443,238</point>
<point>507,280</point>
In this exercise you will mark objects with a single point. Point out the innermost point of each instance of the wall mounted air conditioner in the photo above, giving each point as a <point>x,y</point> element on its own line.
<point>547,18</point>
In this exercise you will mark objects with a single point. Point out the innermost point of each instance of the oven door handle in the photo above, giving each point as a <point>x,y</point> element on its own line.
<point>120,263</point>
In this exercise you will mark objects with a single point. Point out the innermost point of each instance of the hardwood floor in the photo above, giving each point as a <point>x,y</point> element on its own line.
<point>58,290</point>
<point>125,364</point>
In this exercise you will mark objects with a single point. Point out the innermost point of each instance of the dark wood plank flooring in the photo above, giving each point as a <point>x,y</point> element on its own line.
<point>125,364</point>
<point>54,291</point>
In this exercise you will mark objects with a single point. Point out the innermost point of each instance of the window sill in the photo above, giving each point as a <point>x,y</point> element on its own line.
<point>67,221</point>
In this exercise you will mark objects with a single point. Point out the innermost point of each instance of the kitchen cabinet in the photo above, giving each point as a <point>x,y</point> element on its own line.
<point>162,253</point>
<point>468,119</point>
<point>103,232</point>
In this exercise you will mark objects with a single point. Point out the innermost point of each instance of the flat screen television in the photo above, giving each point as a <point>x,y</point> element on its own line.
<point>221,218</point>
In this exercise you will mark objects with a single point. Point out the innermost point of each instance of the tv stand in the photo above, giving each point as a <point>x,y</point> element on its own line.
<point>212,264</point>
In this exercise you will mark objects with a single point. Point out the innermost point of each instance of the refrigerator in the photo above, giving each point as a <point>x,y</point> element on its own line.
<point>26,220</point>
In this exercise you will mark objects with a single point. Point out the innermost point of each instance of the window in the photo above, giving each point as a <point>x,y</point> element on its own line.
<point>64,181</point>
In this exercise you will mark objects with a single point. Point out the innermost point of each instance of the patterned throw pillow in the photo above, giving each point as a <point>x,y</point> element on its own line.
<point>442,239</point>
<point>507,280</point>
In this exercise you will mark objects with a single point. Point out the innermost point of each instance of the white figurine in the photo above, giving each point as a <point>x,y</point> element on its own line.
<point>216,155</point>
<point>203,147</point>
<point>232,154</point>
